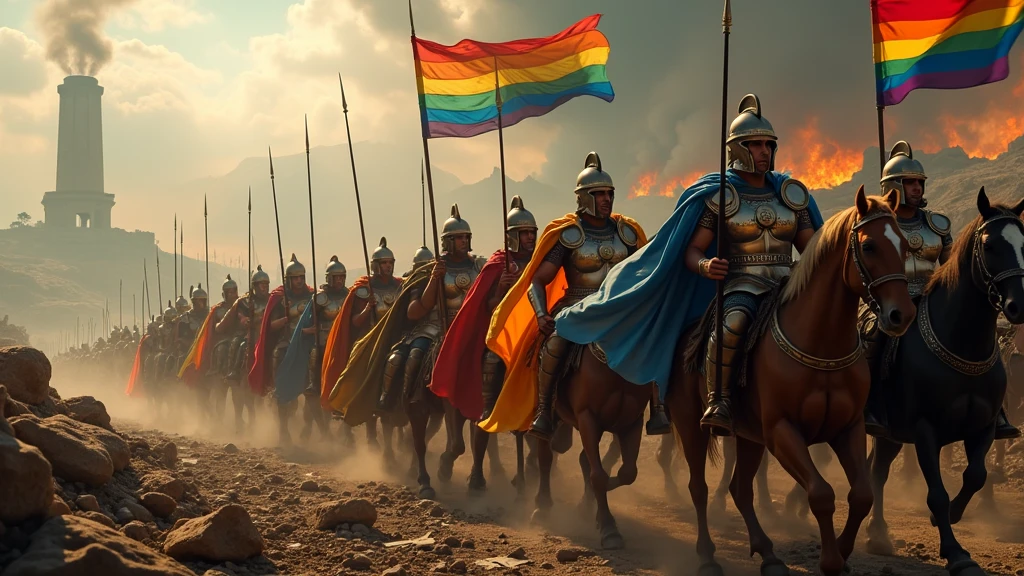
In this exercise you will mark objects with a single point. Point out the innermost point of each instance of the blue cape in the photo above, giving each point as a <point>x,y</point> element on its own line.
<point>293,374</point>
<point>648,300</point>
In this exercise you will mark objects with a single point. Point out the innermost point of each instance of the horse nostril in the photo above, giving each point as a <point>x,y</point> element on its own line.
<point>1011,308</point>
<point>895,317</point>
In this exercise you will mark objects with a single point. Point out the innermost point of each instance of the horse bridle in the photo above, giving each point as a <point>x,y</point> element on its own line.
<point>995,298</point>
<point>865,276</point>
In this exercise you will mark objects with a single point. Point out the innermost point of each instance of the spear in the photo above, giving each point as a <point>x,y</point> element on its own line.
<point>312,244</point>
<point>501,153</point>
<point>423,203</point>
<point>277,222</point>
<point>720,250</point>
<point>252,302</point>
<point>159,286</point>
<point>149,303</point>
<point>181,277</point>
<point>206,237</point>
<point>174,244</point>
<point>355,183</point>
<point>135,319</point>
<point>120,303</point>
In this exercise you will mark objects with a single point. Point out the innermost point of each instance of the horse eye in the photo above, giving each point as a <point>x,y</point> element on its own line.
<point>868,246</point>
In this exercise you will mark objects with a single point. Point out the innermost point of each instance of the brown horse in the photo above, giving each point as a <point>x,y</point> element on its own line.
<point>808,381</point>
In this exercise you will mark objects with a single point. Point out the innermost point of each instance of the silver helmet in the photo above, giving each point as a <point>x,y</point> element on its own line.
<point>422,255</point>
<point>226,285</point>
<point>259,276</point>
<point>749,125</point>
<point>518,219</point>
<point>591,178</point>
<point>902,165</point>
<point>381,254</point>
<point>170,313</point>
<point>294,268</point>
<point>452,226</point>
<point>198,294</point>
<point>335,268</point>
<point>181,304</point>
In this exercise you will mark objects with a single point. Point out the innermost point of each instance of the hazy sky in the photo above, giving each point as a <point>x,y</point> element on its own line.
<point>193,87</point>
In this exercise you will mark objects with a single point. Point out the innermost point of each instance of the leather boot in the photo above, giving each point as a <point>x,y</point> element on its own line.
<point>659,423</point>
<point>392,378</point>
<point>1005,430</point>
<point>718,417</point>
<point>413,384</point>
<point>551,357</point>
<point>491,382</point>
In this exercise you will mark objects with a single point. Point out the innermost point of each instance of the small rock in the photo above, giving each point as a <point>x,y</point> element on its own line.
<point>518,554</point>
<point>360,529</point>
<point>227,534</point>
<point>309,486</point>
<point>468,544</point>
<point>275,479</point>
<point>88,502</point>
<point>169,455</point>
<point>358,562</point>
<point>135,530</point>
<point>230,449</point>
<point>569,554</point>
<point>457,567</point>
<point>326,489</point>
<point>345,534</point>
<point>124,515</point>
<point>286,528</point>
<point>443,550</point>
<point>59,508</point>
<point>254,491</point>
<point>899,543</point>
<point>453,542</point>
<point>274,495</point>
<point>260,466</point>
<point>439,568</point>
<point>139,511</point>
<point>159,504</point>
<point>89,410</point>
<point>163,483</point>
<point>395,571</point>
<point>437,511</point>
<point>99,518</point>
<point>26,373</point>
<point>352,511</point>
<point>547,566</point>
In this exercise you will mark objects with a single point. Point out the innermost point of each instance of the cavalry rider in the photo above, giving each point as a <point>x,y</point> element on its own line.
<point>222,339</point>
<point>577,250</point>
<point>187,326</point>
<point>242,322</point>
<point>637,318</point>
<point>929,238</point>
<point>467,373</point>
<point>203,368</point>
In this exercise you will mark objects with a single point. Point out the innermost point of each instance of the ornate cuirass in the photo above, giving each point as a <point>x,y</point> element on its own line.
<point>459,276</point>
<point>384,295</point>
<point>592,253</point>
<point>296,306</point>
<point>924,236</point>
<point>329,303</point>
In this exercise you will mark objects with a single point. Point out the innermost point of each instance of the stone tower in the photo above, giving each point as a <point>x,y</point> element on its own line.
<point>79,200</point>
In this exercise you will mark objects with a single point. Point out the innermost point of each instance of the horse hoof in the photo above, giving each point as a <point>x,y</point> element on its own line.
<point>540,515</point>
<point>774,568</point>
<point>427,493</point>
<point>931,519</point>
<point>477,485</point>
<point>710,568</point>
<point>444,470</point>
<point>880,546</point>
<point>612,540</point>
<point>966,567</point>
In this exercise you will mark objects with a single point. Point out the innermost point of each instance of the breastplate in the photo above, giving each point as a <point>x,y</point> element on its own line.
<point>457,280</point>
<point>384,296</point>
<point>923,257</point>
<point>759,243</point>
<point>296,306</point>
<point>220,312</point>
<point>329,305</point>
<point>589,263</point>
<point>259,306</point>
<point>195,321</point>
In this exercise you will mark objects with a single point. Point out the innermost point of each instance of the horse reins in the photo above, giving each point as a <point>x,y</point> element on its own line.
<point>865,275</point>
<point>995,299</point>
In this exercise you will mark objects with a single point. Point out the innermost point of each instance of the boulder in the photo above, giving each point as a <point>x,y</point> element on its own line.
<point>135,530</point>
<point>159,504</point>
<point>89,410</point>
<point>88,502</point>
<point>329,515</point>
<point>5,426</point>
<point>71,546</point>
<point>163,483</point>
<point>139,512</point>
<point>99,518</point>
<point>79,452</point>
<point>225,535</point>
<point>59,507</point>
<point>26,488</point>
<point>26,373</point>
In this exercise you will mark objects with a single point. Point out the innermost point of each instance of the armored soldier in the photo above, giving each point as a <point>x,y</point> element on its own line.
<point>928,235</point>
<point>453,273</point>
<point>181,304</point>
<point>285,317</point>
<point>188,323</point>
<point>329,300</point>
<point>375,296</point>
<point>763,225</point>
<point>243,320</point>
<point>222,335</point>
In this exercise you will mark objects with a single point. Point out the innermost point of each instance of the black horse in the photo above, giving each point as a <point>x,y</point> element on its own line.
<point>946,381</point>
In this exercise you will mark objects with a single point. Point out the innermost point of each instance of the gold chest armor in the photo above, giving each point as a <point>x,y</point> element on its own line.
<point>925,249</point>
<point>384,296</point>
<point>592,255</point>
<point>457,280</point>
<point>759,243</point>
<point>329,306</point>
<point>296,306</point>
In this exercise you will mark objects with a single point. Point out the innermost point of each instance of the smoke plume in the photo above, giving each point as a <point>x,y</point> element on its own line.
<point>73,33</point>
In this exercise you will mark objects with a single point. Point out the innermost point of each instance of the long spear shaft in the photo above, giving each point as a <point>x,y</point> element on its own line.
<point>250,345</point>
<point>721,246</point>
<point>149,303</point>
<point>135,319</point>
<point>159,287</point>
<point>355,184</point>
<point>312,246</point>
<point>423,201</point>
<point>430,180</point>
<point>181,277</point>
<point>174,244</point>
<point>206,239</point>
<point>120,303</point>
<point>501,154</point>
<point>277,222</point>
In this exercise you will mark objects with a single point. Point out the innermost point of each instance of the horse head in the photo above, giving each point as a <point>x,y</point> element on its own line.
<point>997,266</point>
<point>875,271</point>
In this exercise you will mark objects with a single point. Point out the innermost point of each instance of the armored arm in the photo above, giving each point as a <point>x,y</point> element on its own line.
<point>537,292</point>
<point>364,306</point>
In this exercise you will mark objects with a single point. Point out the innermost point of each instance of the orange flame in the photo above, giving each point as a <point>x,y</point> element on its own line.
<point>989,134</point>
<point>823,162</point>
<point>643,185</point>
<point>682,182</point>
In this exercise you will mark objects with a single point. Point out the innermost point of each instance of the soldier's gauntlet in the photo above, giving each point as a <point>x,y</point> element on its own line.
<point>539,299</point>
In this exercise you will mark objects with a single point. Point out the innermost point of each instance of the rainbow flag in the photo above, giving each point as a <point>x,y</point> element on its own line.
<point>457,83</point>
<point>941,44</point>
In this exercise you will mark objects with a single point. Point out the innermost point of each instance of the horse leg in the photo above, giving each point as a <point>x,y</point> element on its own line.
<point>695,450</point>
<point>958,561</point>
<point>587,501</point>
<point>666,452</point>
<point>987,503</point>
<point>455,423</point>
<point>494,455</point>
<point>371,433</point>
<point>419,415</point>
<point>590,436</point>
<point>387,430</point>
<point>630,443</point>
<point>728,464</point>
<point>976,448</point>
<point>479,440</point>
<point>882,455</point>
<point>612,455</point>
<point>849,448</point>
<point>790,449</point>
<point>911,468</point>
<point>748,460</point>
<point>520,480</point>
<point>765,505</point>
<point>543,500</point>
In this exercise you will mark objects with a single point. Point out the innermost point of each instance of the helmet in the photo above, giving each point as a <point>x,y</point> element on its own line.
<point>259,276</point>
<point>591,177</point>
<point>335,268</point>
<point>181,305</point>
<point>901,165</point>
<point>380,254</point>
<point>170,313</point>
<point>452,226</point>
<point>198,293</point>
<point>423,254</point>
<point>518,218</point>
<point>749,125</point>
<point>294,268</point>
<point>228,284</point>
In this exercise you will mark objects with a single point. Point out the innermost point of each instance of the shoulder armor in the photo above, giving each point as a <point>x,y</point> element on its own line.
<point>321,298</point>
<point>732,201</point>
<point>572,237</point>
<point>363,292</point>
<point>628,233</point>
<point>479,262</point>
<point>795,194</point>
<point>938,222</point>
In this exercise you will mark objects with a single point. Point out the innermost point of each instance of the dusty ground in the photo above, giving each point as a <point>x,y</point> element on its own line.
<point>659,531</point>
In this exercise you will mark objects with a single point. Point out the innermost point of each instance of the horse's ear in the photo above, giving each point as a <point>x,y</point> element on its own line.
<point>984,207</point>
<point>892,199</point>
<point>1018,209</point>
<point>862,201</point>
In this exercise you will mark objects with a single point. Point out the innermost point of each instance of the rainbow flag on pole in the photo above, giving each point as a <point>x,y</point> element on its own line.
<point>457,83</point>
<point>941,44</point>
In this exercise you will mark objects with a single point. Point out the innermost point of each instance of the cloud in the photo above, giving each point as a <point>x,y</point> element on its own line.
<point>23,63</point>
<point>157,15</point>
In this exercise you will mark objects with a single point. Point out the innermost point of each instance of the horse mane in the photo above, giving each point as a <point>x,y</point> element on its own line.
<point>947,275</point>
<point>835,233</point>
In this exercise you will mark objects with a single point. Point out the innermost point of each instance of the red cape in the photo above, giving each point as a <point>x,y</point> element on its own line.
<point>458,372</point>
<point>259,377</point>
<point>339,343</point>
<point>133,379</point>
<point>200,351</point>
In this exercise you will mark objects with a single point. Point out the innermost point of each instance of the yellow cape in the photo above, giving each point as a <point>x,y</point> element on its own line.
<point>514,337</point>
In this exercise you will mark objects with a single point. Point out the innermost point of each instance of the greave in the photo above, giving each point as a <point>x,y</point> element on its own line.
<point>392,377</point>
<point>552,356</point>
<point>493,376</point>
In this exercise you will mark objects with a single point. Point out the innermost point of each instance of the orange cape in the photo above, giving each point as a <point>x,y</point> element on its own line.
<point>191,369</point>
<point>514,337</point>
<point>339,343</point>
<point>133,379</point>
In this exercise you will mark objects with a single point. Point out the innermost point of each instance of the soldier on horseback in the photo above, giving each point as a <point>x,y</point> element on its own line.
<point>243,322</point>
<point>928,234</point>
